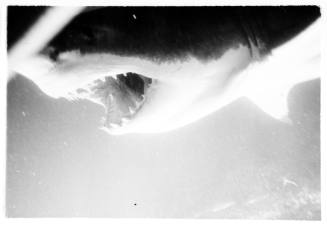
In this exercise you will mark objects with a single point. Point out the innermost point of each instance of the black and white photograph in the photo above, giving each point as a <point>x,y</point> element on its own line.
<point>164,111</point>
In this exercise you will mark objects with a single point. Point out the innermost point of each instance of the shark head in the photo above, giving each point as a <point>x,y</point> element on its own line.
<point>154,91</point>
<point>138,95</point>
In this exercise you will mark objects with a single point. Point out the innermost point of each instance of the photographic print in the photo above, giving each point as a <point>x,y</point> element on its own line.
<point>164,112</point>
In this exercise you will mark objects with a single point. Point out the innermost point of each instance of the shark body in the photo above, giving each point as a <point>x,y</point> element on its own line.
<point>159,69</point>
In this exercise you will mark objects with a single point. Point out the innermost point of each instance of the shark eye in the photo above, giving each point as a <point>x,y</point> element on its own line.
<point>121,95</point>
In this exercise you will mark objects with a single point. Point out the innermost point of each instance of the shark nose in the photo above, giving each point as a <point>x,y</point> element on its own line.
<point>50,52</point>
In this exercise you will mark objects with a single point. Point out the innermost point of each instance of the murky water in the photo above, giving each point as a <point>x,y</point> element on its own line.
<point>236,163</point>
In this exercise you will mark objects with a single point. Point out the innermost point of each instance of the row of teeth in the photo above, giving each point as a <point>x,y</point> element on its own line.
<point>125,121</point>
<point>72,95</point>
<point>95,82</point>
<point>103,79</point>
<point>114,125</point>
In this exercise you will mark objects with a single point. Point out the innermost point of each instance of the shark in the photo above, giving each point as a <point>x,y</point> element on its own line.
<point>157,69</point>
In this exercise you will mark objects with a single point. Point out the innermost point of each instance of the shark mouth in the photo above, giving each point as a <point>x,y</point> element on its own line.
<point>121,95</point>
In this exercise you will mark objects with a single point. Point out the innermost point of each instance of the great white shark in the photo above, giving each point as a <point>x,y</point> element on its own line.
<point>156,69</point>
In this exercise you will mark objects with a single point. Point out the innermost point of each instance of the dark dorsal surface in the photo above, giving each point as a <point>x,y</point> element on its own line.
<point>168,33</point>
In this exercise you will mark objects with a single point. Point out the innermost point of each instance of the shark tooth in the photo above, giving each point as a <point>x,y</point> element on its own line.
<point>131,110</point>
<point>103,79</point>
<point>125,120</point>
<point>114,125</point>
<point>138,103</point>
<point>114,76</point>
<point>111,97</point>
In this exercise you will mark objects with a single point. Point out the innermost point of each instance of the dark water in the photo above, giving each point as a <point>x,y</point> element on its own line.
<point>236,163</point>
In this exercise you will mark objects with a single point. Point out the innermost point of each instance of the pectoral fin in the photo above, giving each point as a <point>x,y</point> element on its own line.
<point>273,104</point>
<point>268,83</point>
